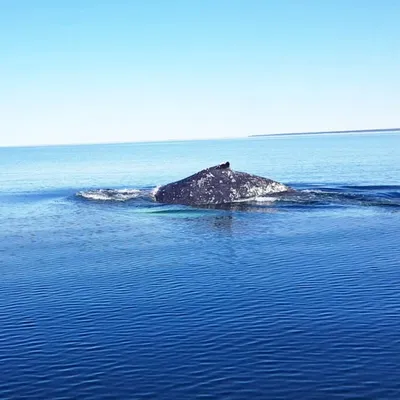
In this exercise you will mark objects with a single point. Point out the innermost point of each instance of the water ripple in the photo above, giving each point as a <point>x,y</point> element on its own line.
<point>101,301</point>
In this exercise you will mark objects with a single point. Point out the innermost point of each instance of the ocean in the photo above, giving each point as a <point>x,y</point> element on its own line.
<point>106,294</point>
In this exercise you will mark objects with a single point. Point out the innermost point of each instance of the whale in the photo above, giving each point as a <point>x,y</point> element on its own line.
<point>218,185</point>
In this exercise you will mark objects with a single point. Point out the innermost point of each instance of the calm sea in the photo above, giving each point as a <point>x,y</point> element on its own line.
<point>105,294</point>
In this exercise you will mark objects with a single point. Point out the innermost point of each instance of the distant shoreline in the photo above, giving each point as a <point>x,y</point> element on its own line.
<point>328,132</point>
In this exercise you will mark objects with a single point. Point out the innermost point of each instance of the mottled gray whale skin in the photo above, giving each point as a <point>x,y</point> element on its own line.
<point>218,185</point>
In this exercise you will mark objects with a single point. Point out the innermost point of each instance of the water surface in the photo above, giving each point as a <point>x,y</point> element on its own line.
<point>108,295</point>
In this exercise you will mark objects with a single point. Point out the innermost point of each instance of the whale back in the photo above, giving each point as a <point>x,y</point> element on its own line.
<point>217,185</point>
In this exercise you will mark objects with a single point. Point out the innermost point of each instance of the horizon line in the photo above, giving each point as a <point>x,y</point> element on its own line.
<point>394,130</point>
<point>327,132</point>
<point>120,142</point>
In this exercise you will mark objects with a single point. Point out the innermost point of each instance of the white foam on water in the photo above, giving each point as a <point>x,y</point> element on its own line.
<point>257,199</point>
<point>154,191</point>
<point>111,194</point>
<point>312,191</point>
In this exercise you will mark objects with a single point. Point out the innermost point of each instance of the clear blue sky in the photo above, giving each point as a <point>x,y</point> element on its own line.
<point>79,71</point>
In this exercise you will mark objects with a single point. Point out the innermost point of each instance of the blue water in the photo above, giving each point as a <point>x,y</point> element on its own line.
<point>105,294</point>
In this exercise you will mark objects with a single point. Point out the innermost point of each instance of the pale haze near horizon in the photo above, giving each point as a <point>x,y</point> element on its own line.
<point>87,71</point>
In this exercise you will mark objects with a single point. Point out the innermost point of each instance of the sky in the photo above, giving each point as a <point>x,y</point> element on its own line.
<point>95,71</point>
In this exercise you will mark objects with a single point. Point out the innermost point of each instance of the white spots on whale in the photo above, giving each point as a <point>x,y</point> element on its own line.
<point>217,186</point>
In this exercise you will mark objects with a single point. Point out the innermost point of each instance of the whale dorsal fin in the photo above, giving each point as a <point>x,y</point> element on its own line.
<point>224,165</point>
